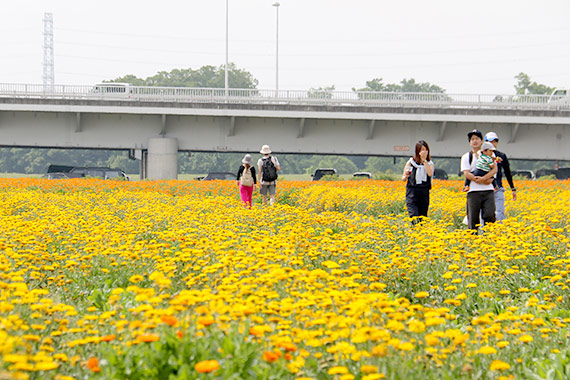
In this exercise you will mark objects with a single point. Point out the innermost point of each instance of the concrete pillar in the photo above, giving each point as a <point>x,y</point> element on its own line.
<point>162,158</point>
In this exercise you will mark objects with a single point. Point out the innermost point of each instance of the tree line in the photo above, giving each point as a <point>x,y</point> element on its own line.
<point>36,160</point>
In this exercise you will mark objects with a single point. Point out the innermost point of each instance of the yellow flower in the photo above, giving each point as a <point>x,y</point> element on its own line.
<point>338,370</point>
<point>526,339</point>
<point>421,294</point>
<point>487,350</point>
<point>136,278</point>
<point>498,365</point>
<point>369,369</point>
<point>374,376</point>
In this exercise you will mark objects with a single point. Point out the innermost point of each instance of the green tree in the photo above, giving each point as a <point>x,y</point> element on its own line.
<point>405,85</point>
<point>321,92</point>
<point>342,164</point>
<point>525,86</point>
<point>205,77</point>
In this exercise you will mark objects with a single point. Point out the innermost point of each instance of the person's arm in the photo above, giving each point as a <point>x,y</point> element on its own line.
<point>466,167</point>
<point>253,175</point>
<point>276,162</point>
<point>487,179</point>
<point>509,175</point>
<point>407,171</point>
<point>239,173</point>
<point>429,168</point>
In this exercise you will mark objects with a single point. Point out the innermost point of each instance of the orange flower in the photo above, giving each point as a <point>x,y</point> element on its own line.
<point>147,338</point>
<point>108,338</point>
<point>287,346</point>
<point>170,320</point>
<point>179,334</point>
<point>93,364</point>
<point>271,356</point>
<point>207,366</point>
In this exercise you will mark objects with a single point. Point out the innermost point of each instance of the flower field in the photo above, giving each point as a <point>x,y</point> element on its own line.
<point>176,280</point>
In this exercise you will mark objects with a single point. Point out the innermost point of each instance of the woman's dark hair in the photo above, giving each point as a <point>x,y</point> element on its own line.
<point>419,145</point>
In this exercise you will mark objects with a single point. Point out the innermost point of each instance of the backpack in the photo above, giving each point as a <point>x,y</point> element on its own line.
<point>269,170</point>
<point>246,178</point>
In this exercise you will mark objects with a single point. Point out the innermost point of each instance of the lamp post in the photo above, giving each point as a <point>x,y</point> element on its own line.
<point>276,5</point>
<point>226,68</point>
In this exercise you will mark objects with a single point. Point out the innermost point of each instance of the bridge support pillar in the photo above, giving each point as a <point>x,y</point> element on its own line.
<point>162,158</point>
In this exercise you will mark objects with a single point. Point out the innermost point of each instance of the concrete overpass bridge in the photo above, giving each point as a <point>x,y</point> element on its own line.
<point>157,122</point>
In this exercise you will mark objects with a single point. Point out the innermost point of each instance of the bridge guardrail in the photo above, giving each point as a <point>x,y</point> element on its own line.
<point>282,97</point>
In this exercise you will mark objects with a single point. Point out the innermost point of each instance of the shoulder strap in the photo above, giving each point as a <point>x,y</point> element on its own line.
<point>470,157</point>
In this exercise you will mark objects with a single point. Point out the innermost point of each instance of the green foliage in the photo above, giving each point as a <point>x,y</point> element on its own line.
<point>406,85</point>
<point>525,86</point>
<point>331,177</point>
<point>321,92</point>
<point>176,353</point>
<point>206,77</point>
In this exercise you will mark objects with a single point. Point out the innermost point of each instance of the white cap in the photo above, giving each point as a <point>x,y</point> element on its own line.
<point>491,136</point>
<point>487,145</point>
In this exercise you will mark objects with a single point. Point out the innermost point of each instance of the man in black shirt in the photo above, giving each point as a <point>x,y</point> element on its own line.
<point>503,166</point>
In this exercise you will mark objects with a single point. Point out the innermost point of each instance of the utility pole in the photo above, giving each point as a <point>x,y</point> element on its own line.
<point>48,75</point>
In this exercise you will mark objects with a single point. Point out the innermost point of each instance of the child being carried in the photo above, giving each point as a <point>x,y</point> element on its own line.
<point>485,162</point>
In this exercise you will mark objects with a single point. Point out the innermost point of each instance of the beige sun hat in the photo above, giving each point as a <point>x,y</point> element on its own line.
<point>247,159</point>
<point>265,149</point>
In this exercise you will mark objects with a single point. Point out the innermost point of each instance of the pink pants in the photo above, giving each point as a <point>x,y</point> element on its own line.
<point>246,193</point>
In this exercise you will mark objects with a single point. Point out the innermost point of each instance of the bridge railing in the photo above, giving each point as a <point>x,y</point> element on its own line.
<point>128,93</point>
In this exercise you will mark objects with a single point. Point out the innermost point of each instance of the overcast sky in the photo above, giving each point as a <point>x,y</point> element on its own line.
<point>463,46</point>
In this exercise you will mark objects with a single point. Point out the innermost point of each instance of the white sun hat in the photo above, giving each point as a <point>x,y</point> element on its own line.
<point>265,149</point>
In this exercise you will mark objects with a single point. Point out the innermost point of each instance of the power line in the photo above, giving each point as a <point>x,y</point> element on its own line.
<point>336,41</point>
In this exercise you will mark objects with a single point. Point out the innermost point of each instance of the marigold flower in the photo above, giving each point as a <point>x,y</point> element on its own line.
<point>498,365</point>
<point>338,370</point>
<point>207,366</point>
<point>108,338</point>
<point>147,338</point>
<point>93,364</point>
<point>421,294</point>
<point>206,321</point>
<point>271,356</point>
<point>169,320</point>
<point>487,350</point>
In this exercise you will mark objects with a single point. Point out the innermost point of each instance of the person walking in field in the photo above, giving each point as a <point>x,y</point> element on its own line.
<point>485,161</point>
<point>246,180</point>
<point>268,166</point>
<point>502,166</point>
<point>418,172</point>
<point>480,197</point>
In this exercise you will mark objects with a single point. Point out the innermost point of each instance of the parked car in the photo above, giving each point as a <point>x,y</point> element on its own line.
<point>219,176</point>
<point>544,172</point>
<point>65,171</point>
<point>528,174</point>
<point>440,174</point>
<point>359,175</point>
<point>321,172</point>
<point>562,173</point>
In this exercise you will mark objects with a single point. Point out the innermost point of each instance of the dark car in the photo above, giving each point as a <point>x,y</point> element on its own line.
<point>321,172</point>
<point>219,176</point>
<point>527,174</point>
<point>562,173</point>
<point>545,172</point>
<point>440,174</point>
